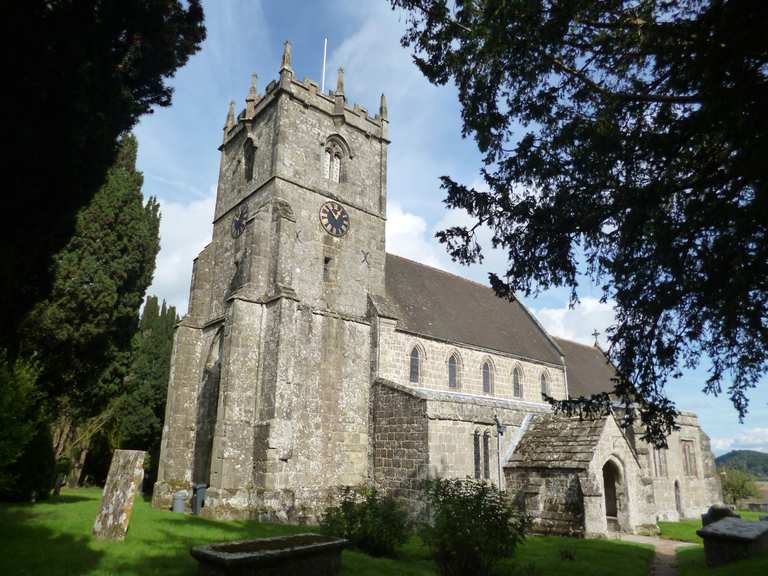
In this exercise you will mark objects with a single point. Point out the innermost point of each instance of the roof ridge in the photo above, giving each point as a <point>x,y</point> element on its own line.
<point>590,346</point>
<point>440,270</point>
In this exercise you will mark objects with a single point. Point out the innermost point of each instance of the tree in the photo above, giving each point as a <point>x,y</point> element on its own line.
<point>82,333</point>
<point>142,410</point>
<point>624,141</point>
<point>20,415</point>
<point>79,75</point>
<point>738,485</point>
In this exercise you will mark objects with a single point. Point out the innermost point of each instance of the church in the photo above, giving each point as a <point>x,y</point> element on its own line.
<point>310,358</point>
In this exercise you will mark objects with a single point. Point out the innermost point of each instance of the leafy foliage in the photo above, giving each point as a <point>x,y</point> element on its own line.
<point>472,525</point>
<point>738,485</point>
<point>20,415</point>
<point>85,95</point>
<point>374,523</point>
<point>624,141</point>
<point>752,461</point>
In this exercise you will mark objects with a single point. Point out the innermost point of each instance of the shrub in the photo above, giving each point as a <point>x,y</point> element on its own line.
<point>373,523</point>
<point>470,526</point>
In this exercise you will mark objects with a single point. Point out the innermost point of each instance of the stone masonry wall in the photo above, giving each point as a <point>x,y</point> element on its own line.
<point>394,362</point>
<point>400,454</point>
<point>698,491</point>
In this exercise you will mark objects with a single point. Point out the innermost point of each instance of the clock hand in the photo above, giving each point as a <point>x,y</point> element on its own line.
<point>331,217</point>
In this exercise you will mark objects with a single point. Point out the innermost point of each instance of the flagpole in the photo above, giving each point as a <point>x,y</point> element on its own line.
<point>325,49</point>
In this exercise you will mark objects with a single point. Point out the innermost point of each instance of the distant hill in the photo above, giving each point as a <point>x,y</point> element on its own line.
<point>756,463</point>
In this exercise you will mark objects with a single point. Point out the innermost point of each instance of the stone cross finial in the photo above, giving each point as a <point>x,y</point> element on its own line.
<point>340,81</point>
<point>383,107</point>
<point>230,116</point>
<point>286,63</point>
<point>595,334</point>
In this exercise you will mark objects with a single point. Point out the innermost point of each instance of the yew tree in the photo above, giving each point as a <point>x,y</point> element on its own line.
<point>625,142</point>
<point>78,75</point>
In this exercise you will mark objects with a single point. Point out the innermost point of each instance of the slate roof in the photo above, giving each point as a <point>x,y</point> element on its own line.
<point>434,303</point>
<point>589,371</point>
<point>558,442</point>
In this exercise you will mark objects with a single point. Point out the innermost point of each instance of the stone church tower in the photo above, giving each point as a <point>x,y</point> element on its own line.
<point>268,400</point>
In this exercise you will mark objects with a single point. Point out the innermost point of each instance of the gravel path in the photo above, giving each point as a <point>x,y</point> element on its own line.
<point>665,561</point>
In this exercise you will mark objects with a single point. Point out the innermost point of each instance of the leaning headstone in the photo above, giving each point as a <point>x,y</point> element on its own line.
<point>732,539</point>
<point>123,482</point>
<point>717,512</point>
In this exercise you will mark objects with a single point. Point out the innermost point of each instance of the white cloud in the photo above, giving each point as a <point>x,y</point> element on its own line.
<point>749,439</point>
<point>407,237</point>
<point>185,229</point>
<point>579,322</point>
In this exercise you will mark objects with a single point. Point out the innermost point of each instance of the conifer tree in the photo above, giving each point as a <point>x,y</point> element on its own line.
<point>140,419</point>
<point>82,332</point>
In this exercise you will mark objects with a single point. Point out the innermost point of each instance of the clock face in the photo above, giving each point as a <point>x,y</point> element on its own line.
<point>334,218</point>
<point>239,220</point>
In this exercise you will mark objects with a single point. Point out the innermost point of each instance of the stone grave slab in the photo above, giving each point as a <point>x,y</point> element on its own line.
<point>126,473</point>
<point>732,539</point>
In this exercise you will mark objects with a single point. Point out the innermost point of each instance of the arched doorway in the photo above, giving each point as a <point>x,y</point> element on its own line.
<point>678,499</point>
<point>611,479</point>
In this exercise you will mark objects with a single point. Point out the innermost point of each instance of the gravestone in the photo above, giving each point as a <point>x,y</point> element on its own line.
<point>717,512</point>
<point>125,475</point>
<point>732,539</point>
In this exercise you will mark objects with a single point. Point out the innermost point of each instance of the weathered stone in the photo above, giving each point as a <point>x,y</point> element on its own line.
<point>717,512</point>
<point>296,555</point>
<point>123,482</point>
<point>732,539</point>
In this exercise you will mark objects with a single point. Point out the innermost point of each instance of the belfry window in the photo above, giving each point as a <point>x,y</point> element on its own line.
<point>332,160</point>
<point>336,168</point>
<point>415,365</point>
<point>327,164</point>
<point>487,378</point>
<point>249,157</point>
<point>517,383</point>
<point>544,385</point>
<point>453,371</point>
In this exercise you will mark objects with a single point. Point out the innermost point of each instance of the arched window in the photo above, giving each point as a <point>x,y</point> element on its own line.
<point>477,454</point>
<point>487,378</point>
<point>517,382</point>
<point>335,153</point>
<point>336,168</point>
<point>249,156</point>
<point>544,385</point>
<point>415,365</point>
<point>453,371</point>
<point>327,164</point>
<point>487,455</point>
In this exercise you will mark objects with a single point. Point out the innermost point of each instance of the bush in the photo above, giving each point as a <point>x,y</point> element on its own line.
<point>373,523</point>
<point>470,526</point>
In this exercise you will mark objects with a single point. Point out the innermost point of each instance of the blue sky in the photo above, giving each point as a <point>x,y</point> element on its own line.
<point>177,153</point>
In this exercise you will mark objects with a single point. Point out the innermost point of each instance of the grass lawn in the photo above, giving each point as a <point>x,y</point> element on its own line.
<point>685,530</point>
<point>691,563</point>
<point>54,538</point>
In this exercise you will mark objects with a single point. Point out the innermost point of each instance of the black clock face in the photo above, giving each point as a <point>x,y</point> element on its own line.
<point>334,218</point>
<point>239,220</point>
